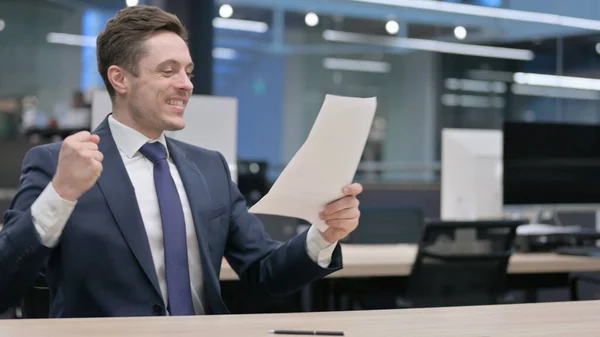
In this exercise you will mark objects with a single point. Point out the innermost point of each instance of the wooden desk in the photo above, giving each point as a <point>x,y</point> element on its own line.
<point>517,320</point>
<point>397,260</point>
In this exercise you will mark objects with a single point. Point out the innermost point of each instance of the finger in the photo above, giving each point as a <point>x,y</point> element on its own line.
<point>341,204</point>
<point>89,146</point>
<point>99,156</point>
<point>353,189</point>
<point>94,138</point>
<point>345,225</point>
<point>95,155</point>
<point>349,213</point>
<point>81,136</point>
<point>97,166</point>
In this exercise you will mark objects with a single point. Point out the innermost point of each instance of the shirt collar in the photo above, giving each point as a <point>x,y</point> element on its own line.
<point>129,140</point>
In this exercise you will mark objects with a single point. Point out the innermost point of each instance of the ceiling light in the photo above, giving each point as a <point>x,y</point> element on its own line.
<point>311,19</point>
<point>2,25</point>
<point>490,12</point>
<point>245,25</point>
<point>226,11</point>
<point>71,39</point>
<point>430,45</point>
<point>532,90</point>
<point>557,81</point>
<point>460,32</point>
<point>472,101</point>
<point>130,3</point>
<point>392,27</point>
<point>224,53</point>
<point>356,65</point>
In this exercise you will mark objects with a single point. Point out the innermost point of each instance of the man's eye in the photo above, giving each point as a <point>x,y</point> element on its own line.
<point>191,75</point>
<point>168,72</point>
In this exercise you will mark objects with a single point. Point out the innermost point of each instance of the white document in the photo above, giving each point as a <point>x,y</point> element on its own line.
<point>325,163</point>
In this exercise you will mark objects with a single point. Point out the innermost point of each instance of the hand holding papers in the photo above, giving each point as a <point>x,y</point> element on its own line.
<point>325,163</point>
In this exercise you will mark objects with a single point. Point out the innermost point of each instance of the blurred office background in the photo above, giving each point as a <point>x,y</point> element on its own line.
<point>432,64</point>
<point>430,68</point>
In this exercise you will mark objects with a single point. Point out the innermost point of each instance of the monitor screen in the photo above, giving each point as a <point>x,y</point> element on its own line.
<point>551,163</point>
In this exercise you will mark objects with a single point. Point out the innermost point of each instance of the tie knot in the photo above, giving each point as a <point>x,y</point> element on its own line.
<point>155,152</point>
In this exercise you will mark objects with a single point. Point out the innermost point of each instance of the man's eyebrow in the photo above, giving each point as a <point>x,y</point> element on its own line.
<point>167,62</point>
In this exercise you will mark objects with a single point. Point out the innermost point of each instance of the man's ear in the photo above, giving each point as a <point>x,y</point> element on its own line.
<point>118,79</point>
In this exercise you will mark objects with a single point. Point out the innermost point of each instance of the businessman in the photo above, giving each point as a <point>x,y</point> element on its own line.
<point>124,221</point>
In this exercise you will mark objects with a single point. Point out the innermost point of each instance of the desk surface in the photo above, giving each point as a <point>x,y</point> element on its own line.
<point>516,320</point>
<point>397,260</point>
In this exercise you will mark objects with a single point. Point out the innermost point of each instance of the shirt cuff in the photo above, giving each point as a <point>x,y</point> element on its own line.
<point>50,213</point>
<point>319,249</point>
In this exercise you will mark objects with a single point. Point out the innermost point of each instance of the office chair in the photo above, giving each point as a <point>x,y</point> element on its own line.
<point>36,302</point>
<point>391,224</point>
<point>461,263</point>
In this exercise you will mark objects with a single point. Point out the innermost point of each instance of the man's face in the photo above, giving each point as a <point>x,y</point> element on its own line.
<point>159,94</point>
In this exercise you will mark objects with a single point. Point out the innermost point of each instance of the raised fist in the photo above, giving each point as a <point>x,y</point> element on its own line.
<point>79,165</point>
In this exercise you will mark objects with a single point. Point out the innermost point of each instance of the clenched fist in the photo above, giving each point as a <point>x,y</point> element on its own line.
<point>79,165</point>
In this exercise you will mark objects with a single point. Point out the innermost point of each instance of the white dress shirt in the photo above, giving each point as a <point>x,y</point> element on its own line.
<point>50,212</point>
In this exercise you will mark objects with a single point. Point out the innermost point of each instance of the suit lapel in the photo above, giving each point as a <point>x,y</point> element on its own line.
<point>200,203</point>
<point>120,196</point>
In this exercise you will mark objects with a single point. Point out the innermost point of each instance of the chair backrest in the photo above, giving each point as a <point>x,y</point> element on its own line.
<point>461,263</point>
<point>388,224</point>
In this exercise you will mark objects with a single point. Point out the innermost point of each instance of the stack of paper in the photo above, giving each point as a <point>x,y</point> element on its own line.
<point>325,163</point>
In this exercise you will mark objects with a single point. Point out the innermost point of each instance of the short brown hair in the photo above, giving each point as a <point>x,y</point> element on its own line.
<point>120,43</point>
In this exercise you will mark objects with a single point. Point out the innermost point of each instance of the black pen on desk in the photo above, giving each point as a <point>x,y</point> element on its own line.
<point>308,332</point>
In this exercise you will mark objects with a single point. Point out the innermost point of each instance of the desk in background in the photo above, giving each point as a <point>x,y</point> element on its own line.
<point>387,266</point>
<point>517,320</point>
<point>397,260</point>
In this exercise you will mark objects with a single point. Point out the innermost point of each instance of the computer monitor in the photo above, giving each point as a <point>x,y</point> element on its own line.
<point>471,174</point>
<point>551,165</point>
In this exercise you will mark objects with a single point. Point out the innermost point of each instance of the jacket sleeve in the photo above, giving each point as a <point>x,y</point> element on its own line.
<point>272,267</point>
<point>22,253</point>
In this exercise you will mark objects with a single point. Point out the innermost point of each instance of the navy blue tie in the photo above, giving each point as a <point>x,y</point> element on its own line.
<point>174,237</point>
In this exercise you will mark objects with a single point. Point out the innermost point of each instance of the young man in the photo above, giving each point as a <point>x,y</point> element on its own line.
<point>126,222</point>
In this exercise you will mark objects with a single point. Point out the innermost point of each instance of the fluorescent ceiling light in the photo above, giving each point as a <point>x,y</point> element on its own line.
<point>430,45</point>
<point>356,65</point>
<point>90,41</point>
<point>224,53</point>
<point>531,90</point>
<point>465,84</point>
<point>490,12</point>
<point>236,24</point>
<point>472,101</point>
<point>557,81</point>
<point>71,39</point>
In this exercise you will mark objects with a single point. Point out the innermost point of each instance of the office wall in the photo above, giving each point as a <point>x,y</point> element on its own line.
<point>30,65</point>
<point>260,103</point>
<point>307,82</point>
<point>411,113</point>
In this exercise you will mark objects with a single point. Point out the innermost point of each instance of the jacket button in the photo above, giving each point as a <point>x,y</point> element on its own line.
<point>158,310</point>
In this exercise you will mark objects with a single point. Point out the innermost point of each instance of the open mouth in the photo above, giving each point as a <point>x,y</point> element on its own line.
<point>175,102</point>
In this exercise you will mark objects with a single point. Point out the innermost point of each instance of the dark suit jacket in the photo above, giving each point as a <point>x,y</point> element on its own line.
<point>102,265</point>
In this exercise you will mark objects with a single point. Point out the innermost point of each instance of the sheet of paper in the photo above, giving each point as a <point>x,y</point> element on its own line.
<point>325,163</point>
